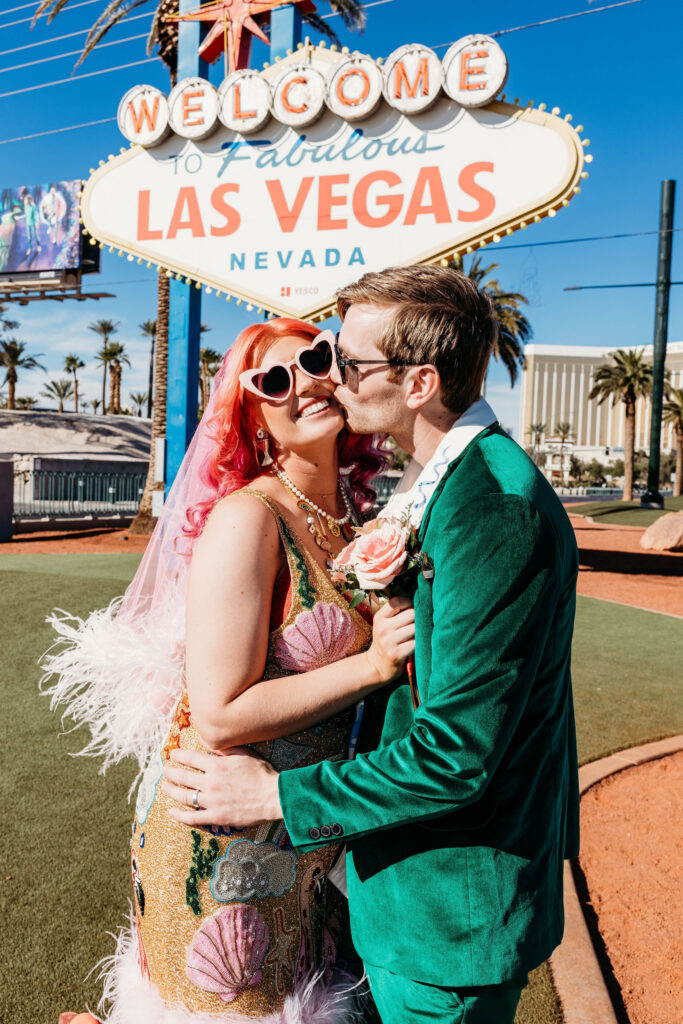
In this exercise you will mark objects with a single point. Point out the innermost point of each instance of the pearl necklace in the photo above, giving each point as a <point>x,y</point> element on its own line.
<point>305,504</point>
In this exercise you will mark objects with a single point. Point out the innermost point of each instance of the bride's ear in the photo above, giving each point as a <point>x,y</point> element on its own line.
<point>422,383</point>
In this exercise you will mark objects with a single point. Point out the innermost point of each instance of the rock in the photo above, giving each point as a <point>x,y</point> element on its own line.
<point>665,534</point>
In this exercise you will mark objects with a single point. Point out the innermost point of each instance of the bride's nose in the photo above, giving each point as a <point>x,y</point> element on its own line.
<point>305,385</point>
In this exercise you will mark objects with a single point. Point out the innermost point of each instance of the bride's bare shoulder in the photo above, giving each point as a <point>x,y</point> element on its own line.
<point>241,518</point>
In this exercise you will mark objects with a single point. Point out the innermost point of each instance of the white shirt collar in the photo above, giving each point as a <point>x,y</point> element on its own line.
<point>417,485</point>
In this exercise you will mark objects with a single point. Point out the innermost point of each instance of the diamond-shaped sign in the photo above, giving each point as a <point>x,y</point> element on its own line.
<point>285,215</point>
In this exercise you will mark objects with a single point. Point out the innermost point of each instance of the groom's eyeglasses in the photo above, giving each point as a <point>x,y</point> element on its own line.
<point>276,383</point>
<point>344,362</point>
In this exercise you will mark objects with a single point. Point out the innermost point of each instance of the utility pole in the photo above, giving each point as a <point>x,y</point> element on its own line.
<point>666,223</point>
<point>663,284</point>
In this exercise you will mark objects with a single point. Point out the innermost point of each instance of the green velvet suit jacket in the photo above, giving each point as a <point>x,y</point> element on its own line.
<point>458,815</point>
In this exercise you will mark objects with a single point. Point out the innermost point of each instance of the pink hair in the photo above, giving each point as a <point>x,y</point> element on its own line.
<point>234,462</point>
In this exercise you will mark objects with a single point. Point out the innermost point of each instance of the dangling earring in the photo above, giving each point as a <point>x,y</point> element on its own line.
<point>266,459</point>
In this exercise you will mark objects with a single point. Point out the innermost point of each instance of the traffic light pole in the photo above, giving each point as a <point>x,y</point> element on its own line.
<point>666,223</point>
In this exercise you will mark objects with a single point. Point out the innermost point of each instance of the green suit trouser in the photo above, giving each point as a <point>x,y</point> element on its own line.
<point>402,1001</point>
<point>385,998</point>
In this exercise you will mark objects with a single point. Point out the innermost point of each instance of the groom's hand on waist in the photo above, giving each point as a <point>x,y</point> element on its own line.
<point>232,787</point>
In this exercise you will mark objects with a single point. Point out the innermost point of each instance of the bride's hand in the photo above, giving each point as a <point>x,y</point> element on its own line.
<point>393,638</point>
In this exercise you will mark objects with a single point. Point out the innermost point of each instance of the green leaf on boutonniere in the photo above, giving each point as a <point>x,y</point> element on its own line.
<point>358,596</point>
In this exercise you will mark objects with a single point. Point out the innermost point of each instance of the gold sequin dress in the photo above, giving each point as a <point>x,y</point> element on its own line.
<point>232,925</point>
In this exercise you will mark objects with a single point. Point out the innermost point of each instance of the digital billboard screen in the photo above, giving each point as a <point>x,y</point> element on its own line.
<point>39,228</point>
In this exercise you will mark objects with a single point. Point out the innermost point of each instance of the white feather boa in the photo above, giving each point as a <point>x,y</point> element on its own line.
<point>129,999</point>
<point>121,676</point>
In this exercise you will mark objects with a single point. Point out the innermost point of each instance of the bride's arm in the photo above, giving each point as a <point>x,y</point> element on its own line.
<point>234,566</point>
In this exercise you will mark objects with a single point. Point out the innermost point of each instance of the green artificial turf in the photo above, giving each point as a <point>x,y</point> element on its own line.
<point>65,875</point>
<point>626,670</point>
<point>624,513</point>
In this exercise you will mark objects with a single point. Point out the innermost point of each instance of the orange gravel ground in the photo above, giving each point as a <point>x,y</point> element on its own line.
<point>631,841</point>
<point>614,567</point>
<point>82,542</point>
<point>612,564</point>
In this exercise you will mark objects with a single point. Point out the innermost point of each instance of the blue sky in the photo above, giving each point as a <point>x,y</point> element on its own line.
<point>614,71</point>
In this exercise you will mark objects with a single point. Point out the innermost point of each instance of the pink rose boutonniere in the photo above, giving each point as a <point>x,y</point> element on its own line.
<point>378,558</point>
<point>382,560</point>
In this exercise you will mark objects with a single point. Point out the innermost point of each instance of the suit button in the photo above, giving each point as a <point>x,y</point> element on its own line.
<point>314,833</point>
<point>337,830</point>
<point>325,831</point>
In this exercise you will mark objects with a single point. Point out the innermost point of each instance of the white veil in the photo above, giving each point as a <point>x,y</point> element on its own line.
<point>121,670</point>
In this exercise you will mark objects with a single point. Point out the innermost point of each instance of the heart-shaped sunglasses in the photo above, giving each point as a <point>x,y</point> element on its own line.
<point>276,382</point>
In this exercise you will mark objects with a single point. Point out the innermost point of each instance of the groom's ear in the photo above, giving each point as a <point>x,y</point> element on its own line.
<point>422,383</point>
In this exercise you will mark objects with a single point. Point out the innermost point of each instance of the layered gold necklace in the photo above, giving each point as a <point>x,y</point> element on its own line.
<point>318,518</point>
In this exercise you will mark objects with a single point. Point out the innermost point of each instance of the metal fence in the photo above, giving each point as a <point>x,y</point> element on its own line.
<point>45,492</point>
<point>385,485</point>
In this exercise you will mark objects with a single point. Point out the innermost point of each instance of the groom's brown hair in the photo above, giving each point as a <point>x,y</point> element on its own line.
<point>440,317</point>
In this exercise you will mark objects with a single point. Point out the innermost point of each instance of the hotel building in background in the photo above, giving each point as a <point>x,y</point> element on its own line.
<point>556,382</point>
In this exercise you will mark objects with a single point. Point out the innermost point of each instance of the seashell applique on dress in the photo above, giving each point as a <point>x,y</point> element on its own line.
<point>317,636</point>
<point>226,953</point>
<point>237,928</point>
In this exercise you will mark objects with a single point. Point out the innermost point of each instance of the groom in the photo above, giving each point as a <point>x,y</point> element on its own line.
<point>457,813</point>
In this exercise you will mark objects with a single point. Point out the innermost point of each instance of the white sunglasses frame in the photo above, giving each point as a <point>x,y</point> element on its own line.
<point>247,376</point>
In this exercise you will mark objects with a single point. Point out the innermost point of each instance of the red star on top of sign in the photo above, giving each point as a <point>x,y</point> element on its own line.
<point>230,19</point>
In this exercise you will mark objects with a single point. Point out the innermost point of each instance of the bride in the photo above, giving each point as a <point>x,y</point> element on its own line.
<point>230,925</point>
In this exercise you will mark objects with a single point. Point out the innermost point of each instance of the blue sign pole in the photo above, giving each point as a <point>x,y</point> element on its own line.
<point>285,30</point>
<point>185,299</point>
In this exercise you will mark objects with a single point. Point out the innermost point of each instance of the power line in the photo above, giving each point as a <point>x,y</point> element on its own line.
<point>22,7</point>
<point>550,21</point>
<point>336,14</point>
<point>57,39</point>
<point>78,78</point>
<point>75,78</point>
<point>589,238</point>
<point>566,17</point>
<point>375,3</point>
<point>22,21</point>
<point>56,131</point>
<point>71,53</point>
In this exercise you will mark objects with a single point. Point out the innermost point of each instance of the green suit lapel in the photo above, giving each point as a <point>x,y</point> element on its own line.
<point>486,432</point>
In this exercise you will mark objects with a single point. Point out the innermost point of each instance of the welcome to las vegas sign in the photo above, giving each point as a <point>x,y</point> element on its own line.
<point>285,184</point>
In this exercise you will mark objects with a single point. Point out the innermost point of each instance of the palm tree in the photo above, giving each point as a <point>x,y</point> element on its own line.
<point>626,379</point>
<point>514,330</point>
<point>138,398</point>
<point>144,520</point>
<point>59,389</point>
<point>164,35</point>
<point>12,358</point>
<point>149,330</point>
<point>95,404</point>
<point>118,359</point>
<point>673,414</point>
<point>105,329</point>
<point>105,357</point>
<point>208,361</point>
<point>5,323</point>
<point>72,364</point>
<point>26,402</point>
<point>564,431</point>
<point>536,430</point>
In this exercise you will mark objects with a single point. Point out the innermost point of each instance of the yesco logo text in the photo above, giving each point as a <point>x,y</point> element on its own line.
<point>410,80</point>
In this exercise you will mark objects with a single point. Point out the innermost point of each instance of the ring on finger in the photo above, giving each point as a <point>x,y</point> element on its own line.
<point>195,799</point>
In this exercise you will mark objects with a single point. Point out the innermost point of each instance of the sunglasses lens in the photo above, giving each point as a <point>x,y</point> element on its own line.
<point>317,360</point>
<point>274,383</point>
